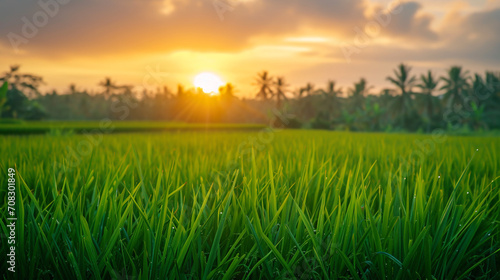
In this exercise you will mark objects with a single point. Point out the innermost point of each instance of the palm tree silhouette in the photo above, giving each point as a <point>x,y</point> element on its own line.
<point>308,89</point>
<point>280,89</point>
<point>72,89</point>
<point>26,84</point>
<point>331,89</point>
<point>402,106</point>
<point>109,86</point>
<point>331,94</point>
<point>490,93</point>
<point>181,92</point>
<point>428,102</point>
<point>456,86</point>
<point>493,82</point>
<point>357,94</point>
<point>227,91</point>
<point>305,104</point>
<point>491,97</point>
<point>403,80</point>
<point>386,96</point>
<point>264,82</point>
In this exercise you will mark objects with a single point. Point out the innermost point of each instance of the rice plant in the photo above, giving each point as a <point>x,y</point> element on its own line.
<point>254,205</point>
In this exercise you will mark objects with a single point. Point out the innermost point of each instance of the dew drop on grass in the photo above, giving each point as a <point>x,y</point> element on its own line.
<point>467,192</point>
<point>439,176</point>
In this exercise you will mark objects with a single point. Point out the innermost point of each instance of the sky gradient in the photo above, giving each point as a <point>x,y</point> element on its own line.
<point>81,42</point>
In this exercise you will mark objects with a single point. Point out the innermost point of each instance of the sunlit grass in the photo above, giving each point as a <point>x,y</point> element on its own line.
<point>303,204</point>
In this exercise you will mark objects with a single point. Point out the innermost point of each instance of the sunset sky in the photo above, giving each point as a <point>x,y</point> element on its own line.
<point>172,41</point>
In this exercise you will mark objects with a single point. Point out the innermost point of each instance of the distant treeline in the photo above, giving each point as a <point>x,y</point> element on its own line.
<point>457,100</point>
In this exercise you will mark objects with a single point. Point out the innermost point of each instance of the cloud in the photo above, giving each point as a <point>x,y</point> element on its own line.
<point>119,26</point>
<point>463,38</point>
<point>479,38</point>
<point>297,37</point>
<point>407,21</point>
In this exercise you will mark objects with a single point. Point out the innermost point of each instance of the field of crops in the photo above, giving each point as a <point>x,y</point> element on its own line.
<point>107,126</point>
<point>254,205</point>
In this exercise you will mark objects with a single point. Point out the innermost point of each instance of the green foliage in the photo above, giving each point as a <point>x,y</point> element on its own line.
<point>415,103</point>
<point>218,205</point>
<point>3,96</point>
<point>17,99</point>
<point>3,90</point>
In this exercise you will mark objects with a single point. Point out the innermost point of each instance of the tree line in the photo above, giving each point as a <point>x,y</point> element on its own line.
<point>412,103</point>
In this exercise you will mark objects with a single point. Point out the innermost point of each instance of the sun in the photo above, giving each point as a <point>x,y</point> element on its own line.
<point>208,82</point>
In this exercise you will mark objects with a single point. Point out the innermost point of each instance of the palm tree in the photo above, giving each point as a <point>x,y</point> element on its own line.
<point>331,89</point>
<point>386,96</point>
<point>72,89</point>
<point>22,90</point>
<point>456,86</point>
<point>227,91</point>
<point>402,106</point>
<point>180,91</point>
<point>403,80</point>
<point>491,90</point>
<point>164,92</point>
<point>264,82</point>
<point>280,89</point>
<point>305,104</point>
<point>491,98</point>
<point>493,81</point>
<point>428,102</point>
<point>332,100</point>
<point>357,94</point>
<point>109,86</point>
<point>25,84</point>
<point>308,89</point>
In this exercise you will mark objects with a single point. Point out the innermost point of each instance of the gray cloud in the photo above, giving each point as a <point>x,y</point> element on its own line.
<point>105,27</point>
<point>112,26</point>
<point>471,39</point>
<point>407,23</point>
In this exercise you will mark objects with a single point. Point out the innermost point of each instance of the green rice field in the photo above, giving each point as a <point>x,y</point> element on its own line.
<point>107,126</point>
<point>259,204</point>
